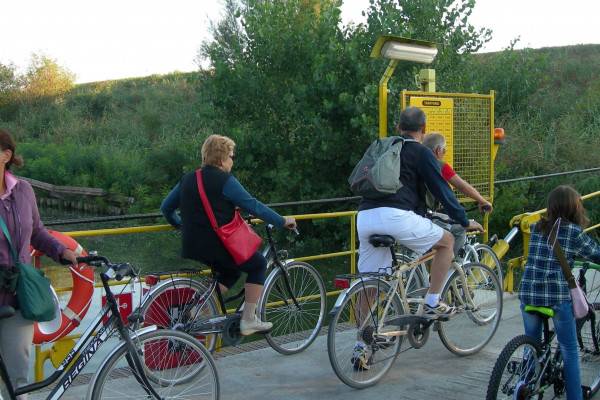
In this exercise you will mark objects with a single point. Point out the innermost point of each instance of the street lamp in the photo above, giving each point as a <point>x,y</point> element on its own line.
<point>396,48</point>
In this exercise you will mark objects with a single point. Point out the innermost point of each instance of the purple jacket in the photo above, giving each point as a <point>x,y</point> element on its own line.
<point>20,213</point>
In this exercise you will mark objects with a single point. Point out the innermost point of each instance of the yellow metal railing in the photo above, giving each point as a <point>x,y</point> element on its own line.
<point>61,347</point>
<point>524,222</point>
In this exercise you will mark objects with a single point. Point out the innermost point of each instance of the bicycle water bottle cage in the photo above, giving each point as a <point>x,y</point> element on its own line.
<point>544,312</point>
<point>382,240</point>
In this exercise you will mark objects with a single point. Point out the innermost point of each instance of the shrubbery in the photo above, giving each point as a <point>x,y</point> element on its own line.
<point>298,93</point>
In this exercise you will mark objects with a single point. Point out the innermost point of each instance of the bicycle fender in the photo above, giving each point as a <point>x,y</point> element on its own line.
<point>134,335</point>
<point>338,302</point>
<point>344,293</point>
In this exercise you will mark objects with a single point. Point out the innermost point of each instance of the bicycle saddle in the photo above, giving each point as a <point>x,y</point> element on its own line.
<point>382,240</point>
<point>6,312</point>
<point>544,312</point>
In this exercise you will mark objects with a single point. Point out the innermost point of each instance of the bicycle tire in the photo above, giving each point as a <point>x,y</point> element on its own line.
<point>484,254</point>
<point>165,354</point>
<point>508,359</point>
<point>458,333</point>
<point>588,335</point>
<point>294,329</point>
<point>173,303</point>
<point>343,333</point>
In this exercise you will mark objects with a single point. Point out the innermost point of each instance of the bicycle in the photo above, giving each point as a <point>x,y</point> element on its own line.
<point>417,279</point>
<point>145,364</point>
<point>526,368</point>
<point>375,308</point>
<point>293,298</point>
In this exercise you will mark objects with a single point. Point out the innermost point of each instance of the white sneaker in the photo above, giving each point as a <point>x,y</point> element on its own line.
<point>254,326</point>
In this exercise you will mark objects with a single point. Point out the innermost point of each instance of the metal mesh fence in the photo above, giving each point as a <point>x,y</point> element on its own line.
<point>471,138</point>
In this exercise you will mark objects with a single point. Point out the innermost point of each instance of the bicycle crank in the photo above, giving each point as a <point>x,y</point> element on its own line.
<point>418,333</point>
<point>231,330</point>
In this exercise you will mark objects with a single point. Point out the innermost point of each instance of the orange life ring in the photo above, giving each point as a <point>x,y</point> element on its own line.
<point>81,296</point>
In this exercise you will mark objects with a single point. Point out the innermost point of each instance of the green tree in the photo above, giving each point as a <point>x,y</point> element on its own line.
<point>46,78</point>
<point>298,91</point>
<point>9,84</point>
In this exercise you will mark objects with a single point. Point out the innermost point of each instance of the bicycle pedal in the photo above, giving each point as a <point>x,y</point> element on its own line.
<point>440,318</point>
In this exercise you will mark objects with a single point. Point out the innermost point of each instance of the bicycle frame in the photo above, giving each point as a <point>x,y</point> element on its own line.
<point>84,355</point>
<point>397,287</point>
<point>210,325</point>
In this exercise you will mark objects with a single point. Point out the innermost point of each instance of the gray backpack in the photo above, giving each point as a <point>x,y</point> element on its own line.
<point>377,174</point>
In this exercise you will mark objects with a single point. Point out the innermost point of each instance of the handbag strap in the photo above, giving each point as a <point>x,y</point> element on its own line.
<point>562,259</point>
<point>13,251</point>
<point>207,208</point>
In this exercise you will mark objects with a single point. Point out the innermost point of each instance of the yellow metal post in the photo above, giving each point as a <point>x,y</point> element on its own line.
<point>427,80</point>
<point>40,357</point>
<point>383,99</point>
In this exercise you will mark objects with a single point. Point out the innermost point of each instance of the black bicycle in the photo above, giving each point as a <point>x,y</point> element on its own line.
<point>293,299</point>
<point>526,369</point>
<point>150,363</point>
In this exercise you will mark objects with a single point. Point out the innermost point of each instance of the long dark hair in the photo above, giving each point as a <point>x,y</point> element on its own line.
<point>563,202</point>
<point>8,143</point>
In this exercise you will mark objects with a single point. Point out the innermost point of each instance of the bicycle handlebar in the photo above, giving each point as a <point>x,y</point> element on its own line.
<point>117,271</point>
<point>587,265</point>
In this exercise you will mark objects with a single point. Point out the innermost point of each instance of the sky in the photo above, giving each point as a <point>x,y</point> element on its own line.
<point>113,39</point>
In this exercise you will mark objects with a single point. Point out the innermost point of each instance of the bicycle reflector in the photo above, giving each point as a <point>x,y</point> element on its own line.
<point>341,283</point>
<point>151,280</point>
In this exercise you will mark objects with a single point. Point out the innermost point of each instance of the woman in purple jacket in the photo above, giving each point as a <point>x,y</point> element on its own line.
<point>19,211</point>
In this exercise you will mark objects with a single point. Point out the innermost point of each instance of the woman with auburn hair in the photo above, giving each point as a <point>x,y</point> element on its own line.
<point>199,240</point>
<point>19,212</point>
<point>543,282</point>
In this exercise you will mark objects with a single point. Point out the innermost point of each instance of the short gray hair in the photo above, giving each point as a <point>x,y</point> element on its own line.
<point>412,119</point>
<point>434,141</point>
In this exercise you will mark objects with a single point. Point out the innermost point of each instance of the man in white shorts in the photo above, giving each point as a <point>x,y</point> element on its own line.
<point>400,215</point>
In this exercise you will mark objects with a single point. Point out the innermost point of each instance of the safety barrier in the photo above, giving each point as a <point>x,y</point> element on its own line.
<point>524,222</point>
<point>56,353</point>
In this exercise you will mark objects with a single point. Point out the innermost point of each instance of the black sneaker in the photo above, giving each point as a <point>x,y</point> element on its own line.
<point>441,310</point>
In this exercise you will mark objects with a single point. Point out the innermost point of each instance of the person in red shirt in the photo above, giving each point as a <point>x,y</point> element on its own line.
<point>437,144</point>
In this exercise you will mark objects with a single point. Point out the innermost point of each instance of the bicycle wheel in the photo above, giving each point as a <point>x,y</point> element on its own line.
<point>516,371</point>
<point>588,336</point>
<point>353,321</point>
<point>479,309</point>
<point>4,394</point>
<point>177,365</point>
<point>484,254</point>
<point>175,303</point>
<point>295,327</point>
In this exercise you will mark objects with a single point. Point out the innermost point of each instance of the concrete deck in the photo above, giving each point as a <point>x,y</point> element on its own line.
<point>430,373</point>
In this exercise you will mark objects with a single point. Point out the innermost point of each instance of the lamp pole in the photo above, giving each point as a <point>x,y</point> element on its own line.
<point>383,97</point>
<point>396,48</point>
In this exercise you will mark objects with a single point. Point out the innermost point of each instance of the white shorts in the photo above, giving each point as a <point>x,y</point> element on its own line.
<point>409,229</point>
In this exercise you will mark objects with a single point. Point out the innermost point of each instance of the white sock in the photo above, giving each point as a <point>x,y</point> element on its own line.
<point>249,311</point>
<point>432,299</point>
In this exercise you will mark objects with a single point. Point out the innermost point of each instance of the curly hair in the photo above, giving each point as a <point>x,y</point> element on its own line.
<point>216,149</point>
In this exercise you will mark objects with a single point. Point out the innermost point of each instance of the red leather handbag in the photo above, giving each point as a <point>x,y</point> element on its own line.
<point>239,239</point>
